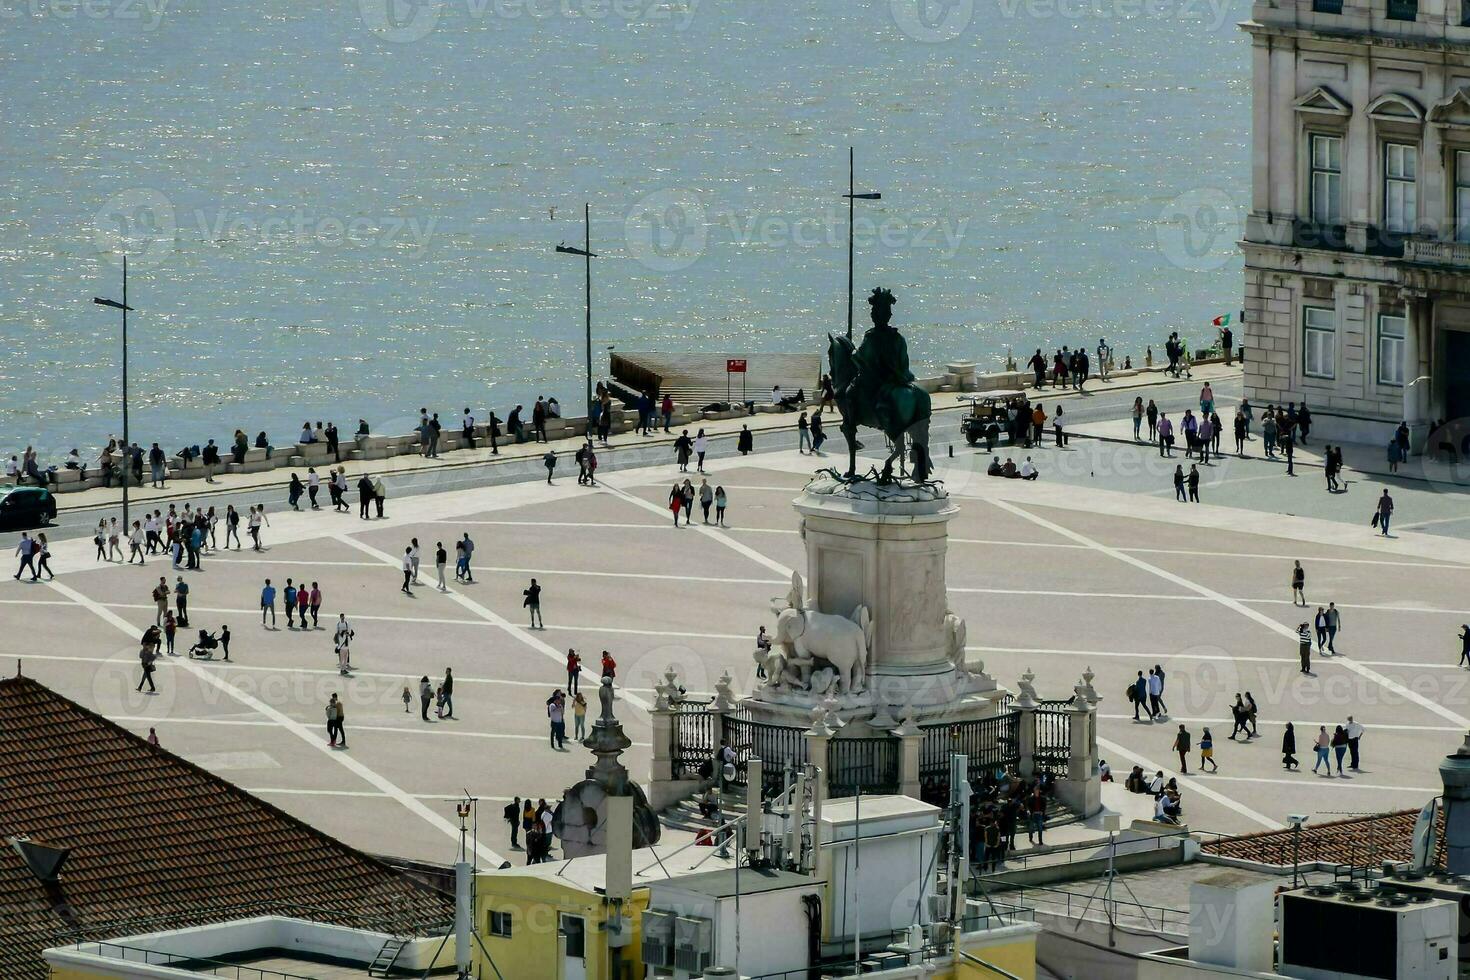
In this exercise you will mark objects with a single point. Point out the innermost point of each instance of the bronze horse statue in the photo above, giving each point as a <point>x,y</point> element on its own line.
<point>873,387</point>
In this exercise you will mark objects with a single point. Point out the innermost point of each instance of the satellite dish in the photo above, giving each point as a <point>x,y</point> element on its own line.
<point>1424,837</point>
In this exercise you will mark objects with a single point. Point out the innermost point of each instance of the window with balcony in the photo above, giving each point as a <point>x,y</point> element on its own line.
<point>1391,349</point>
<point>1319,342</point>
<point>1403,9</point>
<point>1400,185</point>
<point>1326,187</point>
<point>1462,195</point>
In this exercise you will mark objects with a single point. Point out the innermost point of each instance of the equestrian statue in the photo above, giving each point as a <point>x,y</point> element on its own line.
<point>874,387</point>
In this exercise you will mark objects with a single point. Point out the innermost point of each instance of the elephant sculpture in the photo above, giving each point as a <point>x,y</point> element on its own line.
<point>805,634</point>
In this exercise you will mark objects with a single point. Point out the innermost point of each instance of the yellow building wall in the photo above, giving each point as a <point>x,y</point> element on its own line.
<point>535,905</point>
<point>1017,956</point>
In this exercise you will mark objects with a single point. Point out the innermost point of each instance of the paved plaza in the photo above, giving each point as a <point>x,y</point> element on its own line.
<point>1056,576</point>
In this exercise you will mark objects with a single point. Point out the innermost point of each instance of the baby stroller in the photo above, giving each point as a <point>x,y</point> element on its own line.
<point>206,646</point>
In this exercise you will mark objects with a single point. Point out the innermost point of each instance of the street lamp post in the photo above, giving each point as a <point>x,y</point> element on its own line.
<point>587,253</point>
<point>852,196</point>
<point>127,445</point>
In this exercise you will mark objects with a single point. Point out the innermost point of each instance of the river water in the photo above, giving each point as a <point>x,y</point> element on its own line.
<point>335,210</point>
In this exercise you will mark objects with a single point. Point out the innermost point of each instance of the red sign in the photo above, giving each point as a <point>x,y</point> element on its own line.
<point>735,365</point>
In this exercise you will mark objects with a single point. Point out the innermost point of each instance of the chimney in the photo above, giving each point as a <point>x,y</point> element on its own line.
<point>1454,771</point>
<point>44,860</point>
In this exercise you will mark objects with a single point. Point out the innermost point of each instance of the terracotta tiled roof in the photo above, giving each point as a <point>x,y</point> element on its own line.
<point>156,842</point>
<point>1357,842</point>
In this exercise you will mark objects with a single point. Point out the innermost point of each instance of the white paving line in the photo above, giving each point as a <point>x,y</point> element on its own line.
<point>594,525</point>
<point>1237,606</point>
<point>710,532</point>
<point>434,728</point>
<point>1217,722</point>
<point>526,636</point>
<point>196,608</point>
<point>311,737</point>
<point>1288,661</point>
<point>1320,782</point>
<point>1187,782</point>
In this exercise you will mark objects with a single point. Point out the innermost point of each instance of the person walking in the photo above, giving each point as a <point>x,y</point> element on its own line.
<point>548,460</point>
<point>42,551</point>
<point>1036,816</point>
<point>441,559</point>
<point>1288,748</point>
<point>268,603</point>
<point>407,570</point>
<point>1058,428</point>
<point>745,442</point>
<point>1334,623</point>
<point>1139,696</point>
<point>1165,429</point>
<point>532,603</point>
<point>136,541</point>
<point>706,498</point>
<point>1304,646</point>
<point>1207,751</point>
<point>147,658</point>
<point>294,492</point>
<point>342,644</point>
<point>676,502</point>
<point>1250,714</point>
<point>1193,483</point>
<point>426,696</point>
<point>1339,748</point>
<point>256,521</point>
<point>1384,513</point>
<point>1241,430</point>
<point>1156,694</point>
<point>1181,746</point>
<point>683,446</point>
<point>1354,733</point>
<point>1179,484</point>
<point>332,720</point>
<point>26,549</point>
<point>469,552</point>
<point>232,526</point>
<point>313,605</point>
<point>364,496</point>
<point>413,549</point>
<point>1241,717</point>
<point>1298,584</point>
<point>380,495</point>
<point>1137,413</point>
<point>160,600</point>
<point>803,435</point>
<point>721,500</point>
<point>1464,645</point>
<point>609,666</point>
<point>290,604</point>
<point>313,486</point>
<point>446,690</point>
<point>1321,746</point>
<point>1319,626</point>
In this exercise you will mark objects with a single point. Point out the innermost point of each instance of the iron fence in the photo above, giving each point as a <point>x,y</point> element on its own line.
<point>193,964</point>
<point>694,739</point>
<point>992,744</point>
<point>1053,741</point>
<point>779,747</point>
<point>862,765</point>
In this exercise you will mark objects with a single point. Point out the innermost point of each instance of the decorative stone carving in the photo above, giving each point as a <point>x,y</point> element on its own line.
<point>804,636</point>
<point>1026,686</point>
<point>724,695</point>
<point>1088,689</point>
<point>954,631</point>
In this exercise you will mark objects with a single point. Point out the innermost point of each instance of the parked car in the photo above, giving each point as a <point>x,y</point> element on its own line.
<point>26,507</point>
<point>986,410</point>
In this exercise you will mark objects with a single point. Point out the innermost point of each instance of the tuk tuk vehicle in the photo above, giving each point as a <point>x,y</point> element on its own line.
<point>988,415</point>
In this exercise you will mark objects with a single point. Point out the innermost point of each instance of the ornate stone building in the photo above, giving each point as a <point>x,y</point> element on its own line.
<point>1357,245</point>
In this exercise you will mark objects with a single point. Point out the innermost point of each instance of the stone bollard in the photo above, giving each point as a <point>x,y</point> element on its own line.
<point>911,739</point>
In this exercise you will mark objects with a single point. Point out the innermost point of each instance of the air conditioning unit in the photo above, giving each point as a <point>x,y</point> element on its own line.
<point>692,941</point>
<point>1405,936</point>
<point>658,939</point>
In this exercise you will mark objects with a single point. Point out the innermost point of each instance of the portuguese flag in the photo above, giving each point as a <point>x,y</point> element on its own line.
<point>1223,320</point>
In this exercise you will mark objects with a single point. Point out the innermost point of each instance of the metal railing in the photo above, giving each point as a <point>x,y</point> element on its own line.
<point>694,739</point>
<point>992,745</point>
<point>1089,907</point>
<point>779,747</point>
<point>1077,853</point>
<point>194,964</point>
<point>862,765</point>
<point>1053,740</point>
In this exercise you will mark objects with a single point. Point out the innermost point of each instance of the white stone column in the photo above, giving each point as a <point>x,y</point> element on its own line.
<point>1025,703</point>
<point>1260,126</point>
<point>1413,397</point>
<point>911,739</point>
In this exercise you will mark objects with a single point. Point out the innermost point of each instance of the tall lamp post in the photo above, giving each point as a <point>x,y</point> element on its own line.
<point>127,445</point>
<point>587,253</point>
<point>852,196</point>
